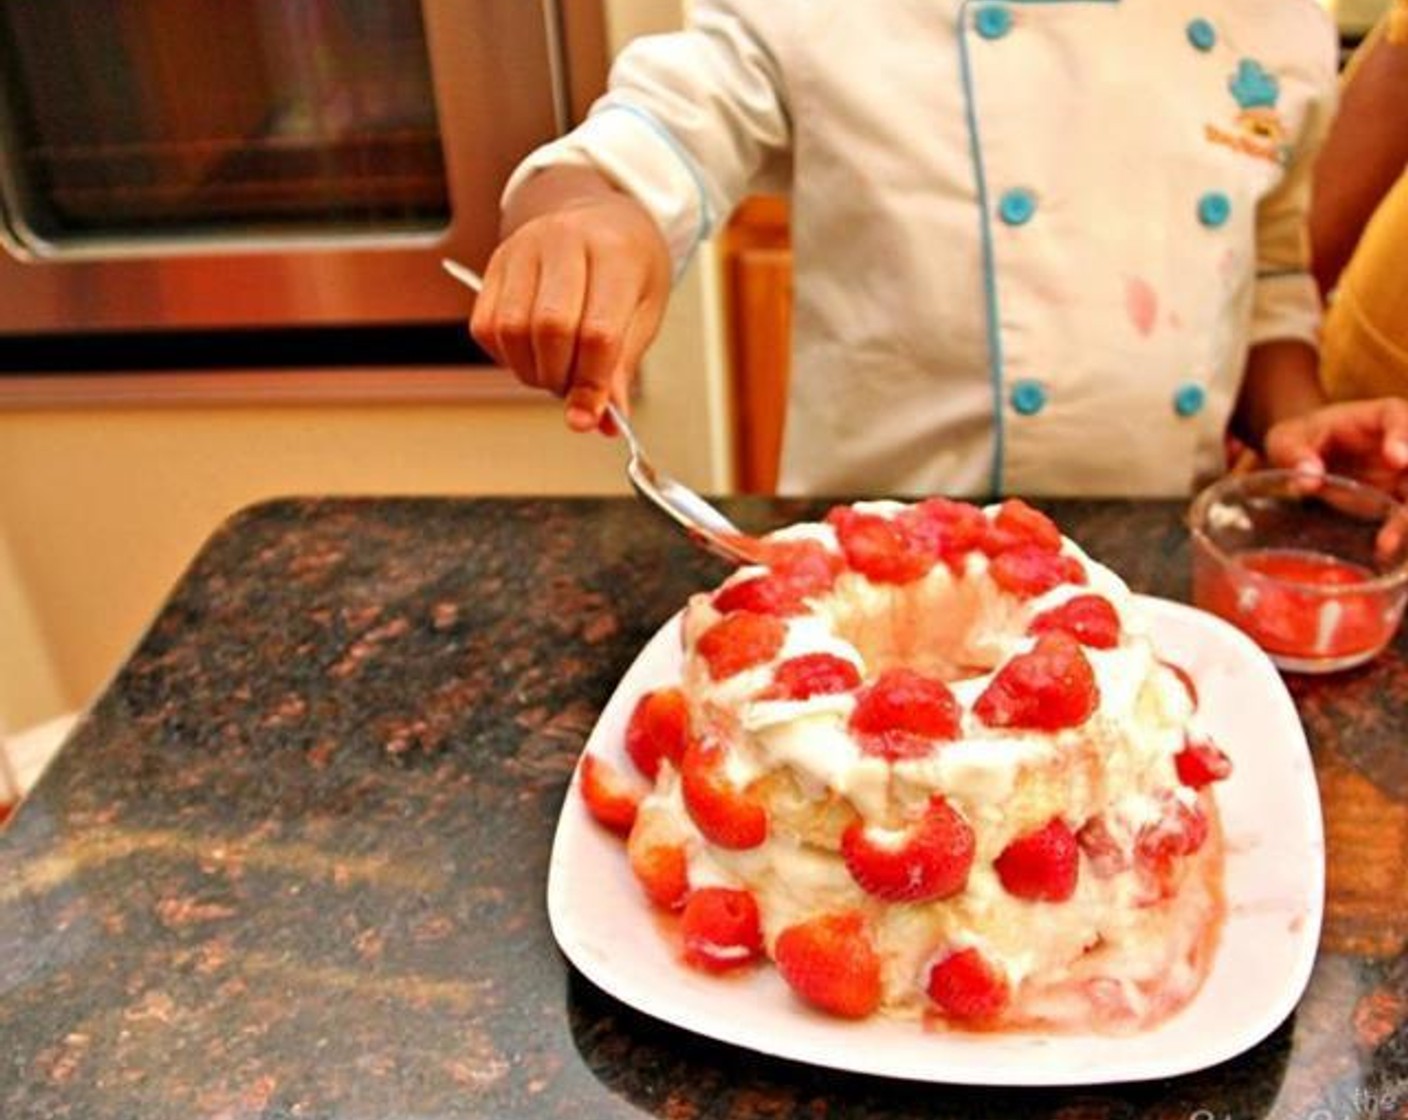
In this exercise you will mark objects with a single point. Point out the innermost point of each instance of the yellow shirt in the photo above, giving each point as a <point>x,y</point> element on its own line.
<point>1364,349</point>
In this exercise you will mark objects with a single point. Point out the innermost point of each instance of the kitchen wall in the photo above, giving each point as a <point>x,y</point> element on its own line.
<point>103,505</point>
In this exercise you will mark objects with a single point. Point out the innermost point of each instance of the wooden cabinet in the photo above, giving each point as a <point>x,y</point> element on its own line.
<point>758,293</point>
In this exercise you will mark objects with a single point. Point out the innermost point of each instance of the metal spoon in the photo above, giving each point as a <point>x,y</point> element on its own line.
<point>705,525</point>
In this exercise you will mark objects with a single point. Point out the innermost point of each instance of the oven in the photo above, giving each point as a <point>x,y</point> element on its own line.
<point>172,169</point>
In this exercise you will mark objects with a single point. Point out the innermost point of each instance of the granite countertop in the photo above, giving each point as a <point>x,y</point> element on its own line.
<point>292,864</point>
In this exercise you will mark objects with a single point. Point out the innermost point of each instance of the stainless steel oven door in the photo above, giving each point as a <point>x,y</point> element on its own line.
<point>165,164</point>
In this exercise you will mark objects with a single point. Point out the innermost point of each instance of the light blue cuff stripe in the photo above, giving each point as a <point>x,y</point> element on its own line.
<point>706,214</point>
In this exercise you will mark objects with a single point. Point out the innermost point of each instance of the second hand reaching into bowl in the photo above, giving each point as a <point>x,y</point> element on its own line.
<point>705,525</point>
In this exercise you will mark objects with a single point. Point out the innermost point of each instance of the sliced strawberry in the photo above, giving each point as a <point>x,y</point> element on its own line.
<point>967,987</point>
<point>760,595</point>
<point>721,929</point>
<point>1200,763</point>
<point>926,860</point>
<point>1159,847</point>
<point>812,674</point>
<point>945,528</point>
<point>658,729</point>
<point>1041,866</point>
<point>610,797</point>
<point>807,566</point>
<point>727,816</point>
<point>1051,687</point>
<point>1028,571</point>
<point>1089,619</point>
<point>1018,525</point>
<point>662,871</point>
<point>902,713</point>
<point>1101,848</point>
<point>1185,678</point>
<point>830,962</point>
<point>879,548</point>
<point>739,641</point>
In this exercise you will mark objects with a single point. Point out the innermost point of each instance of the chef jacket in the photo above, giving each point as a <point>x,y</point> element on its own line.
<point>1033,239</point>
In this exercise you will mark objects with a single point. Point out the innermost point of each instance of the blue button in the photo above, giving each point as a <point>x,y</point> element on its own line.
<point>1017,206</point>
<point>1189,399</point>
<point>1214,208</point>
<point>1028,397</point>
<point>994,21</point>
<point>1202,34</point>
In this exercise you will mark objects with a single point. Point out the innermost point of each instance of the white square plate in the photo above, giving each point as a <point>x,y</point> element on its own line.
<point>1275,876</point>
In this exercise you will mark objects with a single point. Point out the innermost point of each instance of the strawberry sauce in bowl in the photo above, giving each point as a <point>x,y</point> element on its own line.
<point>1316,573</point>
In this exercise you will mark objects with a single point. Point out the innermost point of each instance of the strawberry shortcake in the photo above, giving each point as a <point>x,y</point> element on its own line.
<point>926,761</point>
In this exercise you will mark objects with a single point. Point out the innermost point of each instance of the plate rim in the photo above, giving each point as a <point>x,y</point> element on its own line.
<point>1250,1034</point>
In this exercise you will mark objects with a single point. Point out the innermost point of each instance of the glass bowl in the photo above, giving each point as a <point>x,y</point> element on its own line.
<point>1298,566</point>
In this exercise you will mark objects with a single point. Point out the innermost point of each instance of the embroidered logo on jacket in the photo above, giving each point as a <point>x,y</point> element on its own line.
<point>1258,128</point>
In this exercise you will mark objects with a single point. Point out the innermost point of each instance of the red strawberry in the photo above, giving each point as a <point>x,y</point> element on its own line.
<point>807,566</point>
<point>1106,857</point>
<point>945,528</point>
<point>662,872</point>
<point>1089,619</point>
<point>1185,678</point>
<point>721,929</point>
<point>1200,763</point>
<point>739,641</point>
<point>830,962</point>
<point>928,859</point>
<point>1047,689</point>
<point>967,987</point>
<point>812,674</point>
<point>902,712</point>
<point>1028,571</point>
<point>1181,831</point>
<point>879,548</point>
<point>727,816</point>
<point>611,799</point>
<point>1041,866</point>
<point>760,595</point>
<point>1017,525</point>
<point>658,728</point>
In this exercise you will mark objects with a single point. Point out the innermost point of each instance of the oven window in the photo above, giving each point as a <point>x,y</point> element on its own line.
<point>162,119</point>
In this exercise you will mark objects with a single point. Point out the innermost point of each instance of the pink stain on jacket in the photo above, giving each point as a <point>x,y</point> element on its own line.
<point>1142,305</point>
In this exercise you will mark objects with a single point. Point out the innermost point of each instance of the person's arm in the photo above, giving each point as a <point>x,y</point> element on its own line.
<point>598,222</point>
<point>1281,382</point>
<point>1365,153</point>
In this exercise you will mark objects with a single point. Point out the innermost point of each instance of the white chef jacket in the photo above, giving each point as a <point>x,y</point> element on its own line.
<point>1033,239</point>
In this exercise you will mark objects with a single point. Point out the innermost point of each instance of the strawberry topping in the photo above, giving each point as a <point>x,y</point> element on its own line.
<point>1028,571</point>
<point>721,929</point>
<point>739,641</point>
<point>1018,525</point>
<point>929,859</point>
<point>1049,688</point>
<point>1200,763</point>
<point>884,550</point>
<point>1101,848</point>
<point>727,816</point>
<point>902,712</point>
<point>661,871</point>
<point>967,987</point>
<point>944,528</point>
<point>658,728</point>
<point>1041,866</point>
<point>812,674</point>
<point>830,962</point>
<point>610,798</point>
<point>1089,619</point>
<point>760,595</point>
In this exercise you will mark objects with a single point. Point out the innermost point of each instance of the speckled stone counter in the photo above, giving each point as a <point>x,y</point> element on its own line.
<point>293,863</point>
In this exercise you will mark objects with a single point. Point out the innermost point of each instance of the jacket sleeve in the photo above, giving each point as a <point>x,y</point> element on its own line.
<point>691,122</point>
<point>1286,302</point>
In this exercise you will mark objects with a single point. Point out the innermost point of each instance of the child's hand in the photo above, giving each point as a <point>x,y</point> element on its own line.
<point>575,293</point>
<point>1366,440</point>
